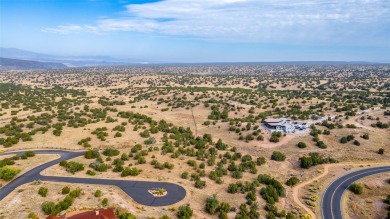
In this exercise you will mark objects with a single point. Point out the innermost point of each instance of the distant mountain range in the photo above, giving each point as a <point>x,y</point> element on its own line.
<point>22,59</point>
<point>18,64</point>
<point>70,61</point>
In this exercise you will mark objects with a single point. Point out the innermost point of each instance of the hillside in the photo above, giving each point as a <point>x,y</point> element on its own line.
<point>18,64</point>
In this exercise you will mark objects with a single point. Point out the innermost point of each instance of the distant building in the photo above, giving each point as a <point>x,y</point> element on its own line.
<point>100,214</point>
<point>281,125</point>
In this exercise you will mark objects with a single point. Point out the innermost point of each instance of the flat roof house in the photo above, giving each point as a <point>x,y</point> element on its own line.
<point>280,124</point>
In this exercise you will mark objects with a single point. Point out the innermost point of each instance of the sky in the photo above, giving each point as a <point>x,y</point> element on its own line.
<point>201,30</point>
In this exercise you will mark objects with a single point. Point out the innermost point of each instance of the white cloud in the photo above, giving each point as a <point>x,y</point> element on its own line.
<point>248,20</point>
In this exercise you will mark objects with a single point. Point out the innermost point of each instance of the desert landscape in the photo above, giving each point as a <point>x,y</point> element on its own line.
<point>206,128</point>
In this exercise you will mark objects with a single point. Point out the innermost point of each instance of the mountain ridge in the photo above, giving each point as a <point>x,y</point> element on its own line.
<point>19,64</point>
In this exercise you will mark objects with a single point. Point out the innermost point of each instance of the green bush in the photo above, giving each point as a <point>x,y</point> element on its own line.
<point>29,153</point>
<point>98,193</point>
<point>365,136</point>
<point>315,159</point>
<point>211,205</point>
<point>321,145</point>
<point>43,191</point>
<point>126,215</point>
<point>200,184</point>
<point>185,212</point>
<point>65,190</point>
<point>301,145</point>
<point>260,161</point>
<point>356,188</point>
<point>184,175</point>
<point>105,202</point>
<point>32,215</point>
<point>292,181</point>
<point>130,172</point>
<point>91,154</point>
<point>49,208</point>
<point>278,156</point>
<point>91,173</point>
<point>270,194</point>
<point>72,166</point>
<point>111,152</point>
<point>7,173</point>
<point>343,140</point>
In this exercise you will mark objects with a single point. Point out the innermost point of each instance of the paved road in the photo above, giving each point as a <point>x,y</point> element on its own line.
<point>331,200</point>
<point>138,190</point>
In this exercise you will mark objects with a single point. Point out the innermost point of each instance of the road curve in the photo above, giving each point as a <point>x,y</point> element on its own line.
<point>331,200</point>
<point>137,190</point>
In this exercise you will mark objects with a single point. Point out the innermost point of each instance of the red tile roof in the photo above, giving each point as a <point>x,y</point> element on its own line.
<point>106,213</point>
<point>85,215</point>
<point>101,214</point>
<point>53,217</point>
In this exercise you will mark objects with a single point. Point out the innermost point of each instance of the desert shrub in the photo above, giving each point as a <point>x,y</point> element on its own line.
<point>290,216</point>
<point>199,184</point>
<point>43,191</point>
<point>315,159</point>
<point>184,212</point>
<point>145,134</point>
<point>91,173</point>
<point>270,194</point>
<point>365,136</point>
<point>350,137</point>
<point>274,138</point>
<point>356,188</point>
<point>91,154</point>
<point>321,145</point>
<point>343,140</point>
<point>380,125</point>
<point>127,215</point>
<point>278,156</point>
<point>301,145</point>
<point>65,190</point>
<point>32,215</point>
<point>273,190</point>
<point>72,166</point>
<point>29,154</point>
<point>111,152</point>
<point>6,161</point>
<point>101,167</point>
<point>48,207</point>
<point>292,181</point>
<point>131,171</point>
<point>98,193</point>
<point>211,205</point>
<point>7,173</point>
<point>260,161</point>
<point>105,202</point>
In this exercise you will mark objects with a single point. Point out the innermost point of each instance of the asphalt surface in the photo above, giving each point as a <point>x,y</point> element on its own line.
<point>137,190</point>
<point>331,200</point>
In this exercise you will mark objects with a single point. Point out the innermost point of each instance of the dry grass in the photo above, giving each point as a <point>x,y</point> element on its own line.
<point>370,203</point>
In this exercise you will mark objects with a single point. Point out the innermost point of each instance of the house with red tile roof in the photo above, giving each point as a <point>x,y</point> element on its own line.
<point>99,214</point>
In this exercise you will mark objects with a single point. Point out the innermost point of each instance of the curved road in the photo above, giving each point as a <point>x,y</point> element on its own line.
<point>331,200</point>
<point>138,190</point>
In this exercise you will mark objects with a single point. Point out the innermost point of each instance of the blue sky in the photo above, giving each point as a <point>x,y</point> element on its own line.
<point>201,30</point>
